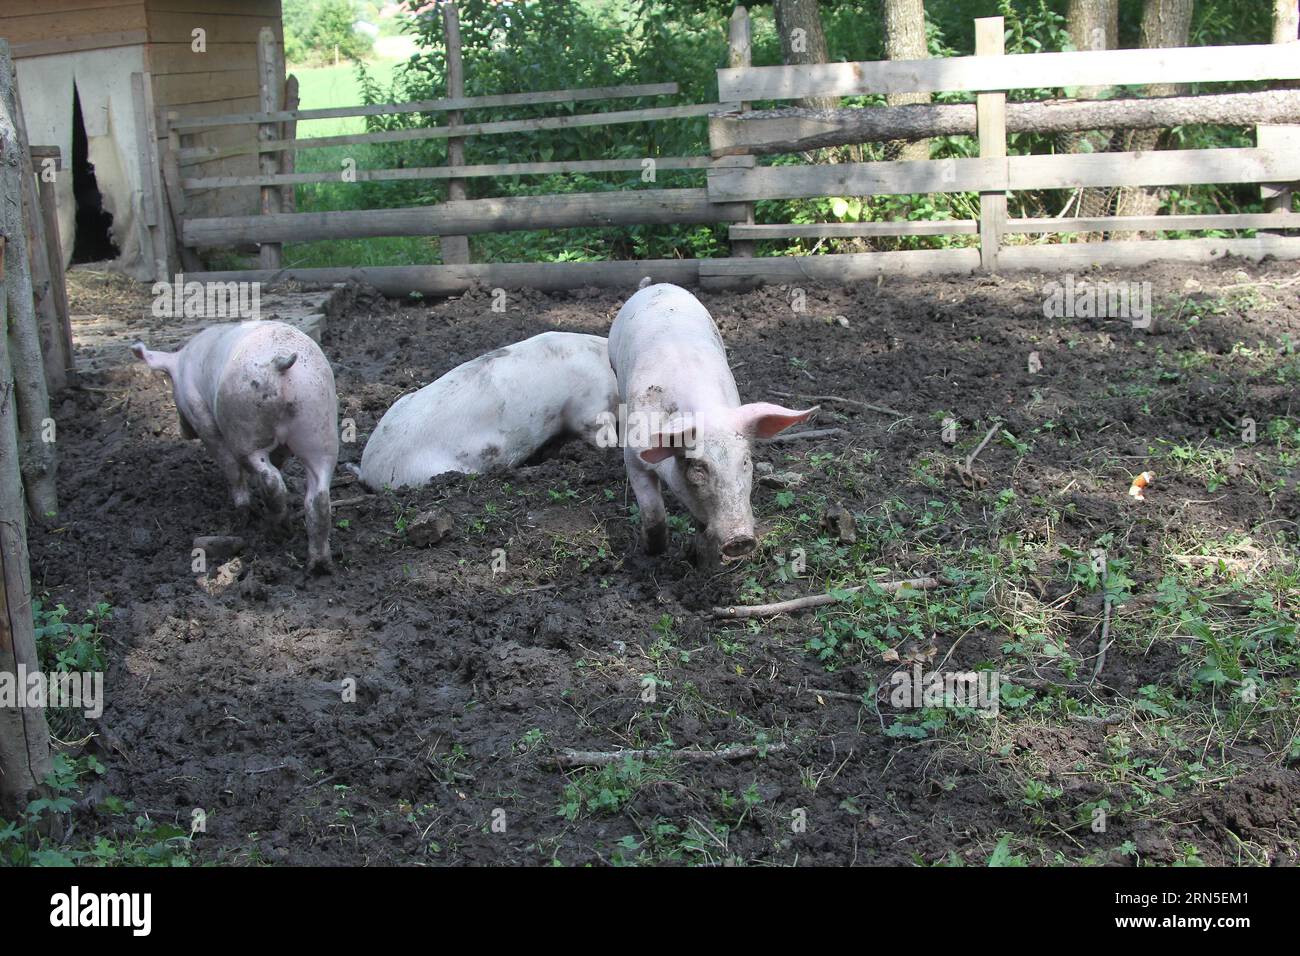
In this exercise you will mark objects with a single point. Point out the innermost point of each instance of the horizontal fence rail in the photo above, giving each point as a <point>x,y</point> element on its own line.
<point>1036,226</point>
<point>1158,168</point>
<point>471,216</point>
<point>456,172</point>
<point>446,105</point>
<point>976,74</point>
<point>206,154</point>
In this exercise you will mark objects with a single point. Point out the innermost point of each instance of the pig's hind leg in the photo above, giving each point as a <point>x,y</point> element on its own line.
<point>235,478</point>
<point>271,482</point>
<point>316,508</point>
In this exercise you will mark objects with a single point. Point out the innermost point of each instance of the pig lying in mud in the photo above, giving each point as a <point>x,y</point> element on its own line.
<point>255,392</point>
<point>685,426</point>
<point>495,412</point>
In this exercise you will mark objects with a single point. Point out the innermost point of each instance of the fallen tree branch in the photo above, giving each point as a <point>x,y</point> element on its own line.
<point>818,600</point>
<point>811,433</point>
<point>345,502</point>
<point>603,758</point>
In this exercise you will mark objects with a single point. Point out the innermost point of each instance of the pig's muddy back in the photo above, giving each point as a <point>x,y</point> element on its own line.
<point>488,623</point>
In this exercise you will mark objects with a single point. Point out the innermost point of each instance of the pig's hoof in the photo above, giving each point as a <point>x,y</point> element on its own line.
<point>656,539</point>
<point>321,566</point>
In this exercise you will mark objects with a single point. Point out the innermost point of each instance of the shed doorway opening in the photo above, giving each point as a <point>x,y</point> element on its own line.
<point>93,240</point>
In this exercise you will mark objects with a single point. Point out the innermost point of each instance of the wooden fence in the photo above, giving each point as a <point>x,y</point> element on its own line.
<point>736,180</point>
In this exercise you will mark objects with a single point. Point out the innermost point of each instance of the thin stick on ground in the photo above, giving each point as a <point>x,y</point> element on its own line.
<point>811,433</point>
<point>818,600</point>
<point>1104,645</point>
<point>883,409</point>
<point>603,758</point>
<point>970,460</point>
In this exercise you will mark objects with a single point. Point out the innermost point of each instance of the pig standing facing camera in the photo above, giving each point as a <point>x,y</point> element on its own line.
<point>685,425</point>
<point>255,392</point>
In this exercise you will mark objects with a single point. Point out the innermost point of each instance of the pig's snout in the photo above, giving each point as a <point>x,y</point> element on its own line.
<point>739,546</point>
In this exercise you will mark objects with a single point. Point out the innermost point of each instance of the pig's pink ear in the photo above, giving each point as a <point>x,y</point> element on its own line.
<point>158,361</point>
<point>763,419</point>
<point>672,441</point>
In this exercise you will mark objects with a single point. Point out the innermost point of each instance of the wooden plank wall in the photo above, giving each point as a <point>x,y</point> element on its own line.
<point>222,80</point>
<point>42,27</point>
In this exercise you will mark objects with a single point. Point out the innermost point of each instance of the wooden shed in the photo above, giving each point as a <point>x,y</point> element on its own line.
<point>97,79</point>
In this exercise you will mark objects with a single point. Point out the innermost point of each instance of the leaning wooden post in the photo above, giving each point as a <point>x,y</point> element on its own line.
<point>34,425</point>
<point>289,131</point>
<point>740,56</point>
<point>270,89</point>
<point>24,735</point>
<point>455,249</point>
<point>1286,29</point>
<point>176,203</point>
<point>991,124</point>
<point>50,167</point>
<point>49,326</point>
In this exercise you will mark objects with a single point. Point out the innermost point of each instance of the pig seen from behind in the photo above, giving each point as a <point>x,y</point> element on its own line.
<point>495,412</point>
<point>256,392</point>
<point>684,424</point>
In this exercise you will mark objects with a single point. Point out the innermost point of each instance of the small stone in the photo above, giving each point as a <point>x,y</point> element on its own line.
<point>782,479</point>
<point>763,467</point>
<point>218,548</point>
<point>429,527</point>
<point>839,521</point>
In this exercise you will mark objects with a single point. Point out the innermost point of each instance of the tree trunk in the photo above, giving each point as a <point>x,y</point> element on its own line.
<point>24,736</point>
<point>1286,21</point>
<point>793,130</point>
<point>799,25</point>
<point>1165,23</point>
<point>905,40</point>
<point>1092,25</point>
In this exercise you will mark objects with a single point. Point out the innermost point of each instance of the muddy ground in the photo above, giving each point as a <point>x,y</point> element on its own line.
<point>537,626</point>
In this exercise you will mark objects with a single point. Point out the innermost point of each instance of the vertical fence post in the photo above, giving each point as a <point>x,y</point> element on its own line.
<point>176,203</point>
<point>289,158</point>
<point>991,124</point>
<point>24,736</point>
<point>152,202</point>
<point>22,381</point>
<point>55,351</point>
<point>271,86</point>
<point>455,249</point>
<point>1286,29</point>
<point>740,56</point>
<point>54,247</point>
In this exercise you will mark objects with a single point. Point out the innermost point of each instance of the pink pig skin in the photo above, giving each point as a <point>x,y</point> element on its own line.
<point>672,374</point>
<point>255,392</point>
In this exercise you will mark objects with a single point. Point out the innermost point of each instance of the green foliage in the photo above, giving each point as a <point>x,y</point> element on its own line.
<point>315,29</point>
<point>534,45</point>
<point>69,646</point>
<point>116,839</point>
